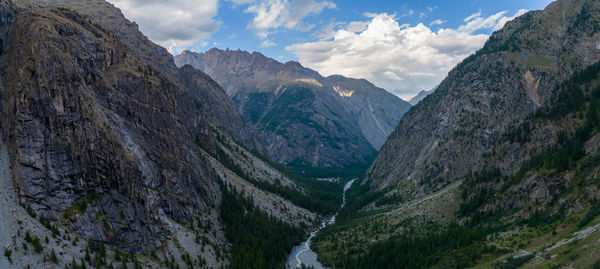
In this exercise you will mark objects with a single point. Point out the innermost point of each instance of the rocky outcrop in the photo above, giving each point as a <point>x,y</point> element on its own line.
<point>102,129</point>
<point>109,19</point>
<point>305,120</point>
<point>218,107</point>
<point>7,16</point>
<point>462,125</point>
<point>97,139</point>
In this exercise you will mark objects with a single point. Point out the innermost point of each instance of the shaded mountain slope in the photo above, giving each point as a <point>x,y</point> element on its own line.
<point>460,126</point>
<point>305,119</point>
<point>110,143</point>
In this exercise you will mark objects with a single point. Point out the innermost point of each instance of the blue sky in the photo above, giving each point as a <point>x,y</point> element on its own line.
<point>402,46</point>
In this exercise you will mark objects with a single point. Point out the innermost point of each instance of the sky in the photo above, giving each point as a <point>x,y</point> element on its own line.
<point>401,46</point>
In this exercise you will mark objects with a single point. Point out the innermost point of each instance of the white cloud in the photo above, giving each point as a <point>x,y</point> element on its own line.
<point>370,14</point>
<point>437,22</point>
<point>401,58</point>
<point>272,14</point>
<point>495,22</point>
<point>267,43</point>
<point>241,2</point>
<point>174,24</point>
<point>357,26</point>
<point>472,16</point>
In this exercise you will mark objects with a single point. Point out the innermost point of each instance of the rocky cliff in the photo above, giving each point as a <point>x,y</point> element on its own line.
<point>460,127</point>
<point>305,119</point>
<point>110,141</point>
<point>80,129</point>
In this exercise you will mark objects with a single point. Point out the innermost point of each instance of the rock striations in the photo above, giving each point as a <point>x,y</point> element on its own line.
<point>111,141</point>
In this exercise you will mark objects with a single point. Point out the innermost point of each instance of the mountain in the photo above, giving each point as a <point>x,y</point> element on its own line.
<point>419,97</point>
<point>305,120</point>
<point>112,154</point>
<point>501,160</point>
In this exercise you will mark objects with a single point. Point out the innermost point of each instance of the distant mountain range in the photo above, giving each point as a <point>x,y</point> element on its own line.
<point>419,97</point>
<point>305,120</point>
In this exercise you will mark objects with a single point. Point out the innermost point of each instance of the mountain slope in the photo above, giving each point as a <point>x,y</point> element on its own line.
<point>507,80</point>
<point>110,143</point>
<point>419,97</point>
<point>321,114</point>
<point>501,160</point>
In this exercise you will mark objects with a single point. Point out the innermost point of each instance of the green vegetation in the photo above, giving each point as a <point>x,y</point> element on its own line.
<point>50,226</point>
<point>318,196</point>
<point>30,211</point>
<point>34,241</point>
<point>256,105</point>
<point>591,215</point>
<point>53,257</point>
<point>575,108</point>
<point>259,240</point>
<point>294,106</point>
<point>7,254</point>
<point>514,263</point>
<point>454,247</point>
<point>81,206</point>
<point>352,171</point>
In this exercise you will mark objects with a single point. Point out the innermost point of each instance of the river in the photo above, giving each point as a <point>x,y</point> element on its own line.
<point>302,254</point>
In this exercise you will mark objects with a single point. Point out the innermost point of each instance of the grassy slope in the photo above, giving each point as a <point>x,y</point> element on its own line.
<point>515,223</point>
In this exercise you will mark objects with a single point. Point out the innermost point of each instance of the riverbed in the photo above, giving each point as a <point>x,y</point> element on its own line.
<point>302,254</point>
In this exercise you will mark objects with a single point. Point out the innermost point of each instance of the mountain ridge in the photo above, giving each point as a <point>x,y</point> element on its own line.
<point>256,83</point>
<point>115,148</point>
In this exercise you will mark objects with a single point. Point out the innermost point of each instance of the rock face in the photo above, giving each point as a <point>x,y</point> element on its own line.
<point>7,15</point>
<point>102,128</point>
<point>460,127</point>
<point>304,118</point>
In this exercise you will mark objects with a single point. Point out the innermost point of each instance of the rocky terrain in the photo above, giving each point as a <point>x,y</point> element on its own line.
<point>305,119</point>
<point>112,146</point>
<point>460,127</point>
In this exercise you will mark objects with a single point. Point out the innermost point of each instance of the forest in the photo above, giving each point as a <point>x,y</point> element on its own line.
<point>258,239</point>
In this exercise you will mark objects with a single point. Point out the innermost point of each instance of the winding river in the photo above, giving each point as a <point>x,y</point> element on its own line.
<point>302,254</point>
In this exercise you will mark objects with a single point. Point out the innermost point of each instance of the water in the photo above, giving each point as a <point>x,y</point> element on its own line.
<point>302,254</point>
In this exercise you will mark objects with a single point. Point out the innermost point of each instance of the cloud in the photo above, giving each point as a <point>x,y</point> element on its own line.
<point>495,22</point>
<point>472,16</point>
<point>357,26</point>
<point>437,22</point>
<point>401,58</point>
<point>267,43</point>
<point>174,24</point>
<point>272,14</point>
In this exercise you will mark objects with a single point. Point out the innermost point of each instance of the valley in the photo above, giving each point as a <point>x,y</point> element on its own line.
<point>116,152</point>
<point>302,254</point>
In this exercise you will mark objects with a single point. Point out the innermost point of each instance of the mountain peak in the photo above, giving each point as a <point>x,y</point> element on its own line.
<point>270,93</point>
